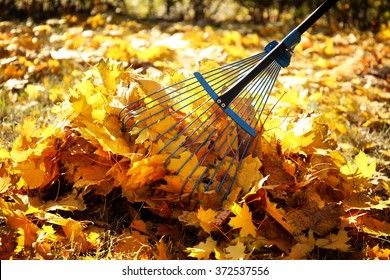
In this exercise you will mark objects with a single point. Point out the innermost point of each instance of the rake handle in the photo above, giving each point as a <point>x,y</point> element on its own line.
<point>225,99</point>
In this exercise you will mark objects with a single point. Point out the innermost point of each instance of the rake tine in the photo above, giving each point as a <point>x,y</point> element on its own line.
<point>188,127</point>
<point>145,108</point>
<point>276,69</point>
<point>189,136</point>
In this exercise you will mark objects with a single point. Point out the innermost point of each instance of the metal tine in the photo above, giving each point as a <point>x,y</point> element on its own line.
<point>263,78</point>
<point>183,82</point>
<point>171,113</point>
<point>253,60</point>
<point>257,84</point>
<point>256,57</point>
<point>229,82</point>
<point>190,135</point>
<point>265,94</point>
<point>221,162</point>
<point>236,138</point>
<point>229,79</point>
<point>160,90</point>
<point>126,117</point>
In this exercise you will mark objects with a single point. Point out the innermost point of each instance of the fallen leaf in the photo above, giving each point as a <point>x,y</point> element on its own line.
<point>243,220</point>
<point>203,250</point>
<point>335,241</point>
<point>206,219</point>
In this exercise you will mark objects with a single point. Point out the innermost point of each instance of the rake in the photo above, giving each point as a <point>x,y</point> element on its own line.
<point>204,124</point>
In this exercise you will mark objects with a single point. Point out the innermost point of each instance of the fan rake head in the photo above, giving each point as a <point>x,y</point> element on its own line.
<point>203,145</point>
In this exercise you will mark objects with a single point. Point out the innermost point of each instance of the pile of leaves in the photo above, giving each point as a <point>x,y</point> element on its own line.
<point>80,188</point>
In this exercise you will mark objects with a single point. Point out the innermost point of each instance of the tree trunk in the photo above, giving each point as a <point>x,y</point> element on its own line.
<point>199,9</point>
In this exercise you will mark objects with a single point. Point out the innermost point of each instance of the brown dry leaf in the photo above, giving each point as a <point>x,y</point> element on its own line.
<point>161,253</point>
<point>282,218</point>
<point>131,243</point>
<point>373,226</point>
<point>189,218</point>
<point>139,225</point>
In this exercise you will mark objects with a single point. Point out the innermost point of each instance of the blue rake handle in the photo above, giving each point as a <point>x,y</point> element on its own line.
<point>276,51</point>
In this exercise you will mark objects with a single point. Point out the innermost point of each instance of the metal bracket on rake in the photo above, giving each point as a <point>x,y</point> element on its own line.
<point>225,108</point>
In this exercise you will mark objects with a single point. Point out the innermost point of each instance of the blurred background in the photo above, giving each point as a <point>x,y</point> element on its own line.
<point>361,14</point>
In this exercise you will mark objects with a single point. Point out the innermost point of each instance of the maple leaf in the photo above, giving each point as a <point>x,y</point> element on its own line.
<point>236,252</point>
<point>189,218</point>
<point>243,220</point>
<point>69,202</point>
<point>5,183</point>
<point>109,72</point>
<point>249,173</point>
<point>335,241</point>
<point>161,253</point>
<point>362,167</point>
<point>203,250</point>
<point>131,242</point>
<point>373,226</point>
<point>304,247</point>
<point>378,253</point>
<point>185,165</point>
<point>206,219</point>
<point>18,221</point>
<point>280,215</point>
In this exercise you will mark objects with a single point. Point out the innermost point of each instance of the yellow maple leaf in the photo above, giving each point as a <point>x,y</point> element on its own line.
<point>203,250</point>
<point>5,183</point>
<point>145,171</point>
<point>243,220</point>
<point>109,72</point>
<point>236,252</point>
<point>249,173</point>
<point>20,241</point>
<point>304,247</point>
<point>206,219</point>
<point>360,168</point>
<point>378,253</point>
<point>185,165</point>
<point>335,241</point>
<point>18,221</point>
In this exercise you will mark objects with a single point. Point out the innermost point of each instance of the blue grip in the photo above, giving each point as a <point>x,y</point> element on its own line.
<point>284,58</point>
<point>292,39</point>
